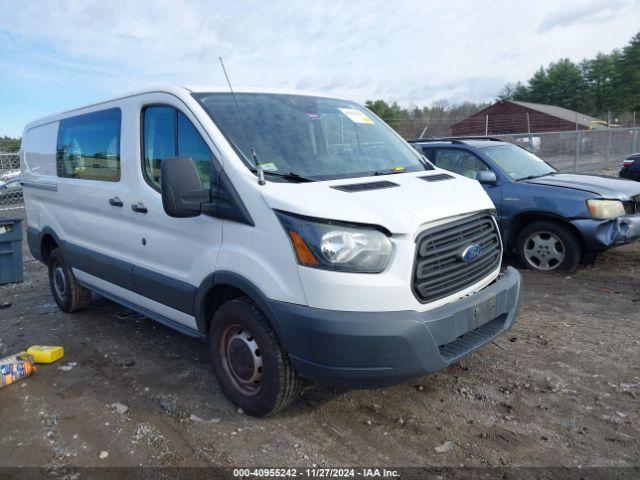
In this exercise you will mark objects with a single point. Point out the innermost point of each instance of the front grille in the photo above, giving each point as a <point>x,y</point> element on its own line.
<point>440,270</point>
<point>632,206</point>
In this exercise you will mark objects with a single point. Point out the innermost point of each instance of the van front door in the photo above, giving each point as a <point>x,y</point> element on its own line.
<point>174,254</point>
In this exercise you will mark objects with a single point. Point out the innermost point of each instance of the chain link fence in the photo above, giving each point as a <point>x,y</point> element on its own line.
<point>586,145</point>
<point>582,150</point>
<point>11,202</point>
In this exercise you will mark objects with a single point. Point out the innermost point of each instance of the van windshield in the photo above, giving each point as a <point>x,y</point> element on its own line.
<point>312,137</point>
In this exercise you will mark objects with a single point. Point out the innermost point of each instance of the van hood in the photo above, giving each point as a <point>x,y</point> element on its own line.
<point>607,187</point>
<point>401,209</point>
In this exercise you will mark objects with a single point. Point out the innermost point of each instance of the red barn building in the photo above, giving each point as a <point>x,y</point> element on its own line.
<point>508,116</point>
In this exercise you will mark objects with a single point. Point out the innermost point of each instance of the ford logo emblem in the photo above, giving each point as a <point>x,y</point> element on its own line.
<point>471,252</point>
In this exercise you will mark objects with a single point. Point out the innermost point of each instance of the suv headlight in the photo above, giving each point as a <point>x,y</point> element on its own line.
<point>605,209</point>
<point>334,245</point>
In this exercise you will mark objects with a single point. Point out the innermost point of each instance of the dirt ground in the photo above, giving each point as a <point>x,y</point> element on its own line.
<point>561,388</point>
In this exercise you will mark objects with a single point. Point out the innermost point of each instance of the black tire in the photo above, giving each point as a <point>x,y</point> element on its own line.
<point>538,244</point>
<point>67,292</point>
<point>251,365</point>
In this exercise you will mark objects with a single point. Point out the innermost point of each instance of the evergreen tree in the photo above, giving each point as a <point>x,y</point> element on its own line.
<point>538,88</point>
<point>599,74</point>
<point>566,86</point>
<point>513,91</point>
<point>389,113</point>
<point>627,76</point>
<point>608,82</point>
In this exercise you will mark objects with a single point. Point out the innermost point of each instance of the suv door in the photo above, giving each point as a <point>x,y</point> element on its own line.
<point>468,164</point>
<point>174,254</point>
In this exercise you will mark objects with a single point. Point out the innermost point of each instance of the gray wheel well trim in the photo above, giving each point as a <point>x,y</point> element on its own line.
<point>35,244</point>
<point>512,235</point>
<point>221,278</point>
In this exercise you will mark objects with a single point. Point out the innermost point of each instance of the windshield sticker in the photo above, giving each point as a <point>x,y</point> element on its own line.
<point>356,116</point>
<point>269,167</point>
<point>313,116</point>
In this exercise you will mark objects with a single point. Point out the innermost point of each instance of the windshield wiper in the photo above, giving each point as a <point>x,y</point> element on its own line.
<point>291,176</point>
<point>390,171</point>
<point>536,176</point>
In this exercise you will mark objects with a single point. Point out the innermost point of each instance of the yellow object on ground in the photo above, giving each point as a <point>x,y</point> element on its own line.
<point>44,354</point>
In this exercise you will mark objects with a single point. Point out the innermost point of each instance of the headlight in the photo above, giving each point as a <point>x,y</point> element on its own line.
<point>334,245</point>
<point>605,209</point>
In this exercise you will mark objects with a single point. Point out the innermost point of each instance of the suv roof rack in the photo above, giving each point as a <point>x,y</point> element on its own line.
<point>455,140</point>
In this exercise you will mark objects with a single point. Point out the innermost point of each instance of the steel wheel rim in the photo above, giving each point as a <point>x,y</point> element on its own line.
<point>544,250</point>
<point>242,359</point>
<point>59,282</point>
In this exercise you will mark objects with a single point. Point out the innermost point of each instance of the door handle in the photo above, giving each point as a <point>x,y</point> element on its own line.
<point>115,202</point>
<point>139,208</point>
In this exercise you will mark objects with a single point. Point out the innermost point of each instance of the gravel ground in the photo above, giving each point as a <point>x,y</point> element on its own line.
<point>562,388</point>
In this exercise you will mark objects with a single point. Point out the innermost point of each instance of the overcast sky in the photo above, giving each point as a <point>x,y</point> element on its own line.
<point>57,54</point>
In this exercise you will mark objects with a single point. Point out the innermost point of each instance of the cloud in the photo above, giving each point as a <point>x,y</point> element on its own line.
<point>590,13</point>
<point>56,54</point>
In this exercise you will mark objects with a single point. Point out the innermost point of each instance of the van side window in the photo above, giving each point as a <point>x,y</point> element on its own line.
<point>89,146</point>
<point>169,133</point>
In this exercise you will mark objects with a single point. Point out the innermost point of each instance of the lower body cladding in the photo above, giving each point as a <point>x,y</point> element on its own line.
<point>377,349</point>
<point>602,234</point>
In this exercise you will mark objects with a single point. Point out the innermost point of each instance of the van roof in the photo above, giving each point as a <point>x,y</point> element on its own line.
<point>179,91</point>
<point>225,89</point>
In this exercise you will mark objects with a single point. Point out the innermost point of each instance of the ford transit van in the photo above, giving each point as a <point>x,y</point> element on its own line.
<point>298,234</point>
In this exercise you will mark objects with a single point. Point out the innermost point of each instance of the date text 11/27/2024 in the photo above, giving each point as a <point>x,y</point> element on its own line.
<point>315,473</point>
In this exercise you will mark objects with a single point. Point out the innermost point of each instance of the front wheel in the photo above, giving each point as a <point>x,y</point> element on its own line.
<point>251,366</point>
<point>548,246</point>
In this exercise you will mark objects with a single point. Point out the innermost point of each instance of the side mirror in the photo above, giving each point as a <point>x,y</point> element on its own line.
<point>486,177</point>
<point>182,190</point>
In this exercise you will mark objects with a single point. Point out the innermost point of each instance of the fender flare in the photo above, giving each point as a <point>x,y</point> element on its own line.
<point>34,240</point>
<point>225,277</point>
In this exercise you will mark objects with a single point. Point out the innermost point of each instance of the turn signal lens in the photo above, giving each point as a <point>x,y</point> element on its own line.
<point>305,257</point>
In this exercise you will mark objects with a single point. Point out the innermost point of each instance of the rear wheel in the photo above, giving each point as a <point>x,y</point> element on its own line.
<point>251,365</point>
<point>67,292</point>
<point>548,246</point>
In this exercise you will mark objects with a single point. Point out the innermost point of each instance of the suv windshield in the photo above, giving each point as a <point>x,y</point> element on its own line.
<point>312,137</point>
<point>518,163</point>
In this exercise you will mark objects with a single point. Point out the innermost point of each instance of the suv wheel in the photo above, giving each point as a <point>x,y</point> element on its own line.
<point>67,292</point>
<point>548,246</point>
<point>252,368</point>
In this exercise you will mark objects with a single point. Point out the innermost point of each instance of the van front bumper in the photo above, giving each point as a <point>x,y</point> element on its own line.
<point>377,349</point>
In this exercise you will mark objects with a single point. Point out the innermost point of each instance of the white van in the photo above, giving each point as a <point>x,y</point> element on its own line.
<point>298,234</point>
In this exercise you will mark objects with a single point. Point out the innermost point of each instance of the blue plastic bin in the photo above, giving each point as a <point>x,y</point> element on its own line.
<point>10,250</point>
